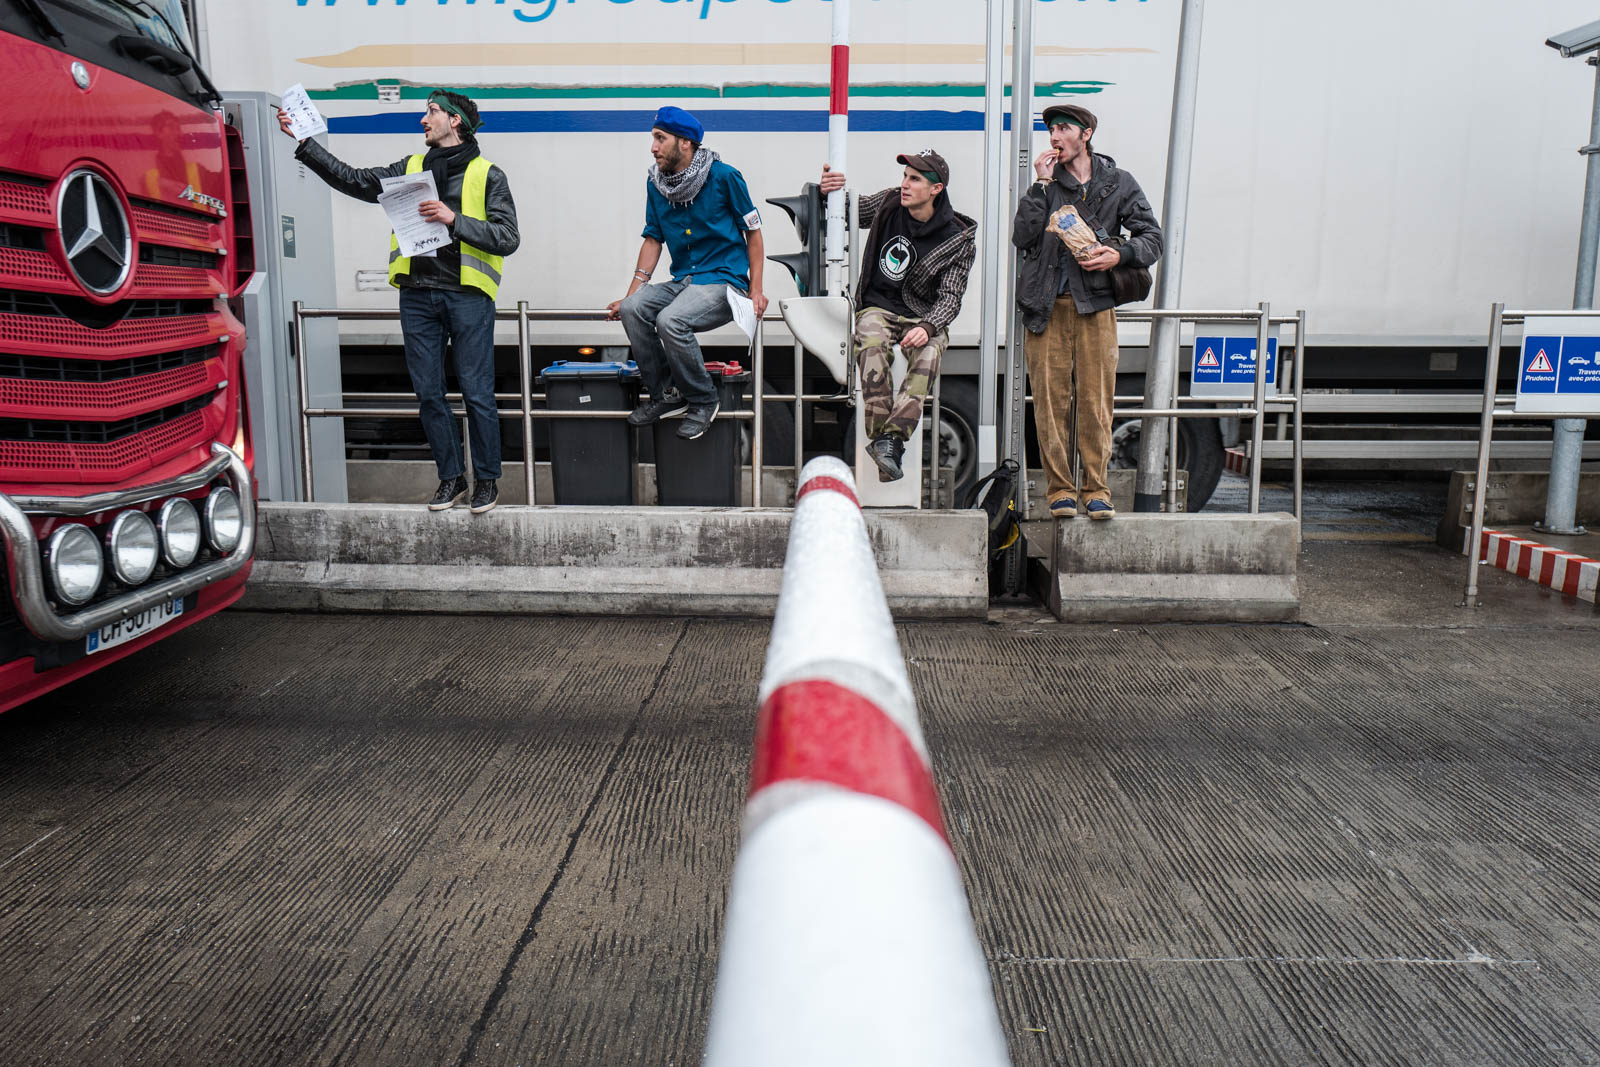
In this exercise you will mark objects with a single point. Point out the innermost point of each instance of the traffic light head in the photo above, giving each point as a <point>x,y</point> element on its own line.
<point>806,265</point>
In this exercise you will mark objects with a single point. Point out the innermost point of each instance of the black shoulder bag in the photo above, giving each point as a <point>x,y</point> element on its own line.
<point>1130,282</point>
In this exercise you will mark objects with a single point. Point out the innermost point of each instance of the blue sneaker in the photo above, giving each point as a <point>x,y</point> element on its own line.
<point>1065,508</point>
<point>1101,509</point>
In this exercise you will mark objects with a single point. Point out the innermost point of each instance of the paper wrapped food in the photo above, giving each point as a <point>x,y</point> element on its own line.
<point>1068,224</point>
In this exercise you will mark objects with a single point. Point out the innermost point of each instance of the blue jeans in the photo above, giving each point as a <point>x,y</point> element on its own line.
<point>661,321</point>
<point>430,319</point>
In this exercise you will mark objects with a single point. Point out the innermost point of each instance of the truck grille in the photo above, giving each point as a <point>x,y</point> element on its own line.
<point>107,389</point>
<point>92,393</point>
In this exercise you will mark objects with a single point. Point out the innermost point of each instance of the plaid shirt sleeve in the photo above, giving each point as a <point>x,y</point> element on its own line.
<point>950,287</point>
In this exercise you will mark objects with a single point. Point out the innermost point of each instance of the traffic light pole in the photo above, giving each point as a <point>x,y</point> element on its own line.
<point>838,129</point>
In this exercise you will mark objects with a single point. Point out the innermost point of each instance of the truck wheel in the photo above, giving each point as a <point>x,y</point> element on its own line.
<point>958,431</point>
<point>1199,452</point>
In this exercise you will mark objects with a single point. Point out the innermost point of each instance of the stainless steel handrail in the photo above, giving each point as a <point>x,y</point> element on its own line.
<point>525,411</point>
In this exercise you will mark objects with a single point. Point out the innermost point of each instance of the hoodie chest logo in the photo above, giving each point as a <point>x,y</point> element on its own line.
<point>898,256</point>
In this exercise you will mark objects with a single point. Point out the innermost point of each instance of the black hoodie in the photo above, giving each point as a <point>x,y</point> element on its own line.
<point>898,244</point>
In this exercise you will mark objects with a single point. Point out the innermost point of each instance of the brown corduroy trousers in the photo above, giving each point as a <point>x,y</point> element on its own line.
<point>1075,354</point>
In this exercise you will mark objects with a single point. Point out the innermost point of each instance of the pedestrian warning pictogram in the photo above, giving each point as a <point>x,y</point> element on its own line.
<point>1541,364</point>
<point>1209,359</point>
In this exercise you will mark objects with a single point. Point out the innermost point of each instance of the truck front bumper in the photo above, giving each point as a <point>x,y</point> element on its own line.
<point>25,565</point>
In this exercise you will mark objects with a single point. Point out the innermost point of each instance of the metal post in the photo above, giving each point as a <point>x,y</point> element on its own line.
<point>1171,493</point>
<point>306,492</point>
<point>1566,454</point>
<point>992,230</point>
<point>1169,279</point>
<point>1491,378</point>
<point>1022,160</point>
<point>1299,414</point>
<point>758,426</point>
<point>525,371</point>
<point>933,479</point>
<point>799,410</point>
<point>1263,333</point>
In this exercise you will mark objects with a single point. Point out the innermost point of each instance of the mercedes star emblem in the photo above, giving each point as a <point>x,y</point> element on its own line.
<point>94,232</point>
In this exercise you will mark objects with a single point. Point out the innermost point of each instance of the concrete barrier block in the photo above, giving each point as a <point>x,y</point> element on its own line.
<point>586,560</point>
<point>1153,567</point>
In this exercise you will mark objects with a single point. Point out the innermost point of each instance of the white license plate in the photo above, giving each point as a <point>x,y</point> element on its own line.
<point>121,632</point>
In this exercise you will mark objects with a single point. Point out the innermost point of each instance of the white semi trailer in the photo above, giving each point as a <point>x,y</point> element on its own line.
<point>1393,168</point>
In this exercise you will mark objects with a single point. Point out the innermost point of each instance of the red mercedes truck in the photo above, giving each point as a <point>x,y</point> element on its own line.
<point>127,501</point>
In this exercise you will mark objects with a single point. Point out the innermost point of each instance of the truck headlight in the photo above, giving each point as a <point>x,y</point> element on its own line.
<point>133,547</point>
<point>75,564</point>
<point>224,525</point>
<point>179,524</point>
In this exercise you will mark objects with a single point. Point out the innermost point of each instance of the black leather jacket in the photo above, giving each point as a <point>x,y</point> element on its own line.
<point>496,235</point>
<point>1116,202</point>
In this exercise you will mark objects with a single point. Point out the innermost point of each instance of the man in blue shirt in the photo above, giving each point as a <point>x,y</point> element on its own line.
<point>698,207</point>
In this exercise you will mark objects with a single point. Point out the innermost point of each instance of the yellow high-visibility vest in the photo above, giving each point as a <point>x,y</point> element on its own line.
<point>479,269</point>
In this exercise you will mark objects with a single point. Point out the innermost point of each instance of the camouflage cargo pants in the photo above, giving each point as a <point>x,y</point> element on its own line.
<point>888,410</point>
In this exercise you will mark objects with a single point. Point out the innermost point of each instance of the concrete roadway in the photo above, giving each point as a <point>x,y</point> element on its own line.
<point>1371,839</point>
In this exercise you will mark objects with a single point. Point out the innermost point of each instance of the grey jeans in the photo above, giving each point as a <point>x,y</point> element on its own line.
<point>661,321</point>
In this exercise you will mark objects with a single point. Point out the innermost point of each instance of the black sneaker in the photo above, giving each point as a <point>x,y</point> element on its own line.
<point>698,420</point>
<point>449,493</point>
<point>650,411</point>
<point>886,451</point>
<point>485,495</point>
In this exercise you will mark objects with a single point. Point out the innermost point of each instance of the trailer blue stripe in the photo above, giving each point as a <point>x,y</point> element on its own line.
<point>731,120</point>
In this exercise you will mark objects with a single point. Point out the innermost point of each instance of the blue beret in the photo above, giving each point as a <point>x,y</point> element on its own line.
<point>679,123</point>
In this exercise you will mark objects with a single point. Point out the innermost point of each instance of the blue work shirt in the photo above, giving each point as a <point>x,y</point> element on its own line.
<point>706,237</point>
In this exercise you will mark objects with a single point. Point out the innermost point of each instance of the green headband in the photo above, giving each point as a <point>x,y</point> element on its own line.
<point>438,97</point>
<point>1068,120</point>
<point>933,179</point>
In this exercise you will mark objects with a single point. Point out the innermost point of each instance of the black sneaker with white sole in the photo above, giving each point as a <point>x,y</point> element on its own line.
<point>698,420</point>
<point>650,411</point>
<point>887,451</point>
<point>449,493</point>
<point>485,495</point>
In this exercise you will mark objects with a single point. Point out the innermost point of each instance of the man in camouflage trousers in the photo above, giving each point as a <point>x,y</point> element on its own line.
<point>915,263</point>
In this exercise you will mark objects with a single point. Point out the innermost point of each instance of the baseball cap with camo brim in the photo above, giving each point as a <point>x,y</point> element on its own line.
<point>1081,117</point>
<point>926,160</point>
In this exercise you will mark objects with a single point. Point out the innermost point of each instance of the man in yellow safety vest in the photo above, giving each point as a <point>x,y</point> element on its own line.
<point>446,299</point>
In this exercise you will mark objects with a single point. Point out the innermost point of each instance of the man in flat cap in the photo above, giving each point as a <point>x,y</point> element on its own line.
<point>1067,302</point>
<point>446,299</point>
<point>700,208</point>
<point>915,263</point>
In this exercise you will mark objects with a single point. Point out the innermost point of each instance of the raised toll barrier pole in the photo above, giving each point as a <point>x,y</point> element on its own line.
<point>848,939</point>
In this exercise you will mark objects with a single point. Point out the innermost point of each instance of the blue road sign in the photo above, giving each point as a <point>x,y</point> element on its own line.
<point>1560,366</point>
<point>1224,363</point>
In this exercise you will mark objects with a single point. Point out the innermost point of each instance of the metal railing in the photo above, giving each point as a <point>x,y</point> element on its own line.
<point>525,412</point>
<point>1499,318</point>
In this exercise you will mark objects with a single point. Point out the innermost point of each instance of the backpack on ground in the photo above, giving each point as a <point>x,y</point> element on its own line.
<point>996,494</point>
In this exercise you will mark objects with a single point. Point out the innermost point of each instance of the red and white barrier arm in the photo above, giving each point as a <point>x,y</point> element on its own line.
<point>848,939</point>
<point>833,242</point>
